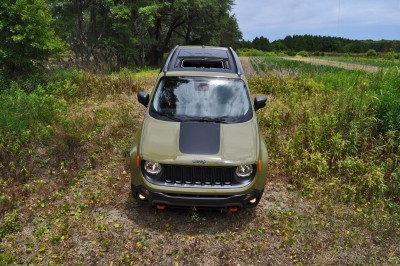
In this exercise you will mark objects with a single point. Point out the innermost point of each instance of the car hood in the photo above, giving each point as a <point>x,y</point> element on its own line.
<point>199,142</point>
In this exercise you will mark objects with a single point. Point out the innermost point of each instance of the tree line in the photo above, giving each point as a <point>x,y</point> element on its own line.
<point>123,33</point>
<point>108,34</point>
<point>111,34</point>
<point>311,43</point>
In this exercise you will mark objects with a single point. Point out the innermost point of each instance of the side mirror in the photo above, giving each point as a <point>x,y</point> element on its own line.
<point>259,102</point>
<point>143,98</point>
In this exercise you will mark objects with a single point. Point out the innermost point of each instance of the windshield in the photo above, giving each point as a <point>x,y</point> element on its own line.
<point>201,99</point>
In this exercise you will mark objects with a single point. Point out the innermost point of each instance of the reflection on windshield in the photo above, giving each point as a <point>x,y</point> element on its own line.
<point>202,99</point>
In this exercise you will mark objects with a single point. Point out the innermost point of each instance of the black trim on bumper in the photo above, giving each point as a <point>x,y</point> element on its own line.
<point>202,201</point>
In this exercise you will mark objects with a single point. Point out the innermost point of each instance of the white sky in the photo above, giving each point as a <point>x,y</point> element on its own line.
<point>353,19</point>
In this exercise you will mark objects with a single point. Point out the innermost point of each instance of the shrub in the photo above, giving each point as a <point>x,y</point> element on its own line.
<point>290,53</point>
<point>317,53</point>
<point>371,53</point>
<point>25,115</point>
<point>25,118</point>
<point>303,54</point>
<point>250,52</point>
<point>389,55</point>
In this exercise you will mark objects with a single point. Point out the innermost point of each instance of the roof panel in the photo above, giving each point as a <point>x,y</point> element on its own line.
<point>177,57</point>
<point>203,52</point>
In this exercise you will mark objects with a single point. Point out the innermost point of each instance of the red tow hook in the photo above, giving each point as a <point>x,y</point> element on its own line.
<point>161,207</point>
<point>233,209</point>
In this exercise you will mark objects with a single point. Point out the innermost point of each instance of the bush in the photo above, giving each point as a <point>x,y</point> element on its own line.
<point>25,118</point>
<point>317,53</point>
<point>27,37</point>
<point>25,115</point>
<point>250,52</point>
<point>303,54</point>
<point>371,53</point>
<point>389,56</point>
<point>290,53</point>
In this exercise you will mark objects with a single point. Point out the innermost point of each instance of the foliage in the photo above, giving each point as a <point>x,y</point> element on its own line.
<point>27,37</point>
<point>108,35</point>
<point>310,43</point>
<point>253,52</point>
<point>10,224</point>
<point>317,53</point>
<point>387,87</point>
<point>261,43</point>
<point>25,118</point>
<point>31,119</point>
<point>371,53</point>
<point>26,115</point>
<point>193,22</point>
<point>75,85</point>
<point>303,54</point>
<point>333,131</point>
<point>323,138</point>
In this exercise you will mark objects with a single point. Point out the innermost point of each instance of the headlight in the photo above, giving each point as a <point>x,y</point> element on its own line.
<point>152,168</point>
<point>244,171</point>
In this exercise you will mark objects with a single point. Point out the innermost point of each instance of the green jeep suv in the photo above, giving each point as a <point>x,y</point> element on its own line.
<point>199,143</point>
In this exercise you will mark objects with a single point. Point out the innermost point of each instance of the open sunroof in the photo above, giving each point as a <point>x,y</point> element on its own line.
<point>204,63</point>
<point>208,59</point>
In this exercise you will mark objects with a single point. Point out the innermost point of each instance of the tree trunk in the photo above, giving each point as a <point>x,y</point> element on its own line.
<point>93,21</point>
<point>187,34</point>
<point>154,57</point>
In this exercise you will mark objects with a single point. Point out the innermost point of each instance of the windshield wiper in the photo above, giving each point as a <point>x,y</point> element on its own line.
<point>180,118</point>
<point>208,119</point>
<point>169,116</point>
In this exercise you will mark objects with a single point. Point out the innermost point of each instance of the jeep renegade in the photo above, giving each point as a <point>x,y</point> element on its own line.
<point>199,143</point>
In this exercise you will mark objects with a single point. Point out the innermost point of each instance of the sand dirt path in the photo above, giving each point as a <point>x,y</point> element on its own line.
<point>350,66</point>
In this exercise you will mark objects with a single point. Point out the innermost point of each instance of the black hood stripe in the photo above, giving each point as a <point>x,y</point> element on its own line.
<point>199,138</point>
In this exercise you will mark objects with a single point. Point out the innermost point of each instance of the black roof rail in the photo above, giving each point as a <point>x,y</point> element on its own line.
<point>165,68</point>
<point>237,62</point>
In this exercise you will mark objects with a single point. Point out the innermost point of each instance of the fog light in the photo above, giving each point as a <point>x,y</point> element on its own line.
<point>253,200</point>
<point>142,197</point>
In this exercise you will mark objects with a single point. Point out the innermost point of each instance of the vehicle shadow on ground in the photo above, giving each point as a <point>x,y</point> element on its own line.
<point>187,221</point>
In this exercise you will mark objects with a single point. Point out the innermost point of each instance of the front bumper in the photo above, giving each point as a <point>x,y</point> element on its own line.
<point>247,200</point>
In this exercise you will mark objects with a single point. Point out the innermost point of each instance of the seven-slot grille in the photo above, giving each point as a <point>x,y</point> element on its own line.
<point>199,175</point>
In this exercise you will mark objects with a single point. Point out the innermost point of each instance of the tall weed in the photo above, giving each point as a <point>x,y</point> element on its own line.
<point>325,130</point>
<point>74,85</point>
<point>25,117</point>
<point>387,87</point>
